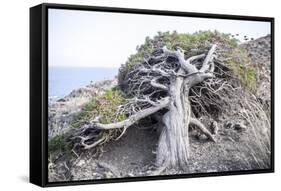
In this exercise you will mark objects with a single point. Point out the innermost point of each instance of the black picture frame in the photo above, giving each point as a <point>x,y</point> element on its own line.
<point>39,92</point>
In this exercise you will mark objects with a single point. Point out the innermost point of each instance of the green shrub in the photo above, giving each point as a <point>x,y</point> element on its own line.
<point>58,145</point>
<point>193,44</point>
<point>105,106</point>
<point>242,68</point>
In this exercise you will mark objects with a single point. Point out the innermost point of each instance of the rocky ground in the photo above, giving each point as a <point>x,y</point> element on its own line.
<point>62,111</point>
<point>259,51</point>
<point>134,154</point>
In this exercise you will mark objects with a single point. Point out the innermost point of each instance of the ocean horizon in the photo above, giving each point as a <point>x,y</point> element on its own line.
<point>62,80</point>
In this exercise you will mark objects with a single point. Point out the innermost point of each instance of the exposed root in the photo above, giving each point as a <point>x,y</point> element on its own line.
<point>158,170</point>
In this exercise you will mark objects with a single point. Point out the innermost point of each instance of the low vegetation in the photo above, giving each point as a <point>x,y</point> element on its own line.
<point>57,145</point>
<point>103,107</point>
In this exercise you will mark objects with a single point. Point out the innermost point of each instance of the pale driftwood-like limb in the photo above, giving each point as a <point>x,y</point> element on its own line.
<point>89,146</point>
<point>197,78</point>
<point>186,65</point>
<point>202,127</point>
<point>154,70</point>
<point>208,59</point>
<point>132,119</point>
<point>123,124</point>
<point>193,58</point>
<point>155,84</point>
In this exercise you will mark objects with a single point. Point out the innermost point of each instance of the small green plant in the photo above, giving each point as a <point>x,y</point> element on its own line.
<point>104,106</point>
<point>58,145</point>
<point>242,68</point>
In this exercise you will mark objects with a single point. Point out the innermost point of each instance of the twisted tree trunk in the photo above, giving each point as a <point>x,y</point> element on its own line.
<point>173,146</point>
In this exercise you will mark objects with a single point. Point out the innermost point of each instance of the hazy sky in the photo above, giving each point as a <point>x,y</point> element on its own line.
<point>99,39</point>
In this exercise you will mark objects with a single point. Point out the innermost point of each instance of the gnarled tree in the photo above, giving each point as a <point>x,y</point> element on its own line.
<point>175,85</point>
<point>163,82</point>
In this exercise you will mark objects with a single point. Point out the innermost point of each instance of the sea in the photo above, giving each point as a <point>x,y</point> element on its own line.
<point>62,80</point>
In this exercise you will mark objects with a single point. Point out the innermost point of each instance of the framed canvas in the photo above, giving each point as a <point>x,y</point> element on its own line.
<point>121,94</point>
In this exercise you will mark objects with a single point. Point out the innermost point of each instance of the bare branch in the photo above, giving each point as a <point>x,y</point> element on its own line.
<point>202,127</point>
<point>86,146</point>
<point>155,70</point>
<point>187,66</point>
<point>208,59</point>
<point>194,58</point>
<point>155,84</point>
<point>198,77</point>
<point>133,118</point>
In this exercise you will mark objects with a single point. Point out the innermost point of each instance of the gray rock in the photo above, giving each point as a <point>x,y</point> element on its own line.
<point>214,127</point>
<point>61,100</point>
<point>239,127</point>
<point>228,125</point>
